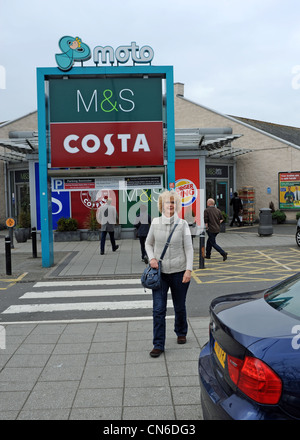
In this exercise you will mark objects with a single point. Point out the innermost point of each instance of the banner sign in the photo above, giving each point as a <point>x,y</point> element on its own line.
<point>289,190</point>
<point>187,185</point>
<point>74,49</point>
<point>106,144</point>
<point>109,183</point>
<point>105,99</point>
<point>106,122</point>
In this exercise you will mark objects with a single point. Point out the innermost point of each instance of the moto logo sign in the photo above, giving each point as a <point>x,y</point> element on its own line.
<point>106,144</point>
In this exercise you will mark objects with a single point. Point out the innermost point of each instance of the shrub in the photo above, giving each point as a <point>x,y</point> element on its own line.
<point>67,224</point>
<point>225,216</point>
<point>279,216</point>
<point>24,219</point>
<point>91,221</point>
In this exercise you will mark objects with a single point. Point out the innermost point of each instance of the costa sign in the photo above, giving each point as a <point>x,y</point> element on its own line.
<point>106,144</point>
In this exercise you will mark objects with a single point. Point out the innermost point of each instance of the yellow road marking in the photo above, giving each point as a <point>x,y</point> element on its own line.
<point>275,261</point>
<point>249,266</point>
<point>12,281</point>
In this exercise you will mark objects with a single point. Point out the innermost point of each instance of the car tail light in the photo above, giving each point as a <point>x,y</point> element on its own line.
<point>254,378</point>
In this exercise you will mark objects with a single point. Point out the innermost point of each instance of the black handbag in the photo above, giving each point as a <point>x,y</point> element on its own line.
<point>151,278</point>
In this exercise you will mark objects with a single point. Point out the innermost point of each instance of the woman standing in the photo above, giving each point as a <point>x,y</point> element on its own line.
<point>176,269</point>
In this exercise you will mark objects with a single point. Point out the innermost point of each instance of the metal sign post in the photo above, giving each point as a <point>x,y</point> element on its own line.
<point>113,101</point>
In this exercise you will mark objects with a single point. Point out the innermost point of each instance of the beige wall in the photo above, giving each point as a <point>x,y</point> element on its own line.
<point>27,123</point>
<point>259,168</point>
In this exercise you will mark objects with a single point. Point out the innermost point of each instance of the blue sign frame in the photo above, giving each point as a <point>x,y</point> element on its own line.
<point>43,74</point>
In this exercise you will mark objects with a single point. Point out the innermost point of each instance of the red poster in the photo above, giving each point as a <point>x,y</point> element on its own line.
<point>82,202</point>
<point>188,186</point>
<point>106,144</point>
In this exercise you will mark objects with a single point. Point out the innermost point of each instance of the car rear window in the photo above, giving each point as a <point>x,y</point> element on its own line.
<point>285,296</point>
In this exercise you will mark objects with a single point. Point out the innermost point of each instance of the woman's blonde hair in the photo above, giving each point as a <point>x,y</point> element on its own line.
<point>167,195</point>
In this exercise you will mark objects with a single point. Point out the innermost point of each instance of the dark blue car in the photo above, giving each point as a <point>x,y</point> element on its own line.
<point>250,368</point>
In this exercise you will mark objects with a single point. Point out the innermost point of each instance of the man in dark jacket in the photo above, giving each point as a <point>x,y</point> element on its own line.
<point>107,217</point>
<point>212,219</point>
<point>237,205</point>
<point>142,224</point>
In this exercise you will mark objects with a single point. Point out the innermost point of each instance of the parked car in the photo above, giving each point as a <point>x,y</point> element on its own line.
<point>250,367</point>
<point>298,233</point>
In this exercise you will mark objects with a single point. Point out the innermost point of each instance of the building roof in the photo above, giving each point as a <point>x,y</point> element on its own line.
<point>285,132</point>
<point>282,133</point>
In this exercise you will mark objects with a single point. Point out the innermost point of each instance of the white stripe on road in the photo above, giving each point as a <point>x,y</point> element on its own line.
<point>84,293</point>
<point>117,305</point>
<point>88,282</point>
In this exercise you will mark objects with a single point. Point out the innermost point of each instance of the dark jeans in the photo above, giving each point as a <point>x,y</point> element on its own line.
<point>142,243</point>
<point>211,243</point>
<point>235,218</point>
<point>103,238</point>
<point>178,292</point>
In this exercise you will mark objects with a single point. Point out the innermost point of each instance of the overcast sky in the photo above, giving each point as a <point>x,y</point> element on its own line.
<point>237,57</point>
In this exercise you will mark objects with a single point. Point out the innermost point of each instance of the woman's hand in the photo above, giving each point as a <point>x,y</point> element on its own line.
<point>154,263</point>
<point>187,276</point>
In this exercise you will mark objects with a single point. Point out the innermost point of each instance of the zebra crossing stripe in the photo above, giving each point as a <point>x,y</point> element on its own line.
<point>84,293</point>
<point>86,306</point>
<point>74,283</point>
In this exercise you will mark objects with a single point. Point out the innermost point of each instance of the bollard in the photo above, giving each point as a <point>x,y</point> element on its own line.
<point>11,236</point>
<point>33,237</point>
<point>202,250</point>
<point>8,255</point>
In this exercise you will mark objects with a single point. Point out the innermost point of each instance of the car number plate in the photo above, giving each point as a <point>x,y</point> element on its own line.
<point>220,353</point>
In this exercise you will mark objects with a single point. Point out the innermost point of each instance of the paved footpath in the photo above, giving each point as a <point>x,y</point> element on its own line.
<point>101,370</point>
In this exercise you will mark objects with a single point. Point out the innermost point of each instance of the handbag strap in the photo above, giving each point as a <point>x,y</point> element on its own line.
<point>167,243</point>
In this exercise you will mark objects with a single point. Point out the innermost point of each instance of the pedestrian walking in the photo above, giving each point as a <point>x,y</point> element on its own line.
<point>237,205</point>
<point>107,217</point>
<point>212,219</point>
<point>142,224</point>
<point>176,268</point>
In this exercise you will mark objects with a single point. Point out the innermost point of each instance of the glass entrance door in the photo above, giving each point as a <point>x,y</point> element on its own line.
<point>221,192</point>
<point>217,190</point>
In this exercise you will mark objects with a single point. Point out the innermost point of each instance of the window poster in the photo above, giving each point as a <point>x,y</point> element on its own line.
<point>289,190</point>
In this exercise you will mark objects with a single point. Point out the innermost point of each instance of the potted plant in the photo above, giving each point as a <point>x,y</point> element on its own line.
<point>92,226</point>
<point>279,216</point>
<point>22,230</point>
<point>223,224</point>
<point>67,230</point>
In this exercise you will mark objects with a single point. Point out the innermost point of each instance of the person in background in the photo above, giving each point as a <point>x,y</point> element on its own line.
<point>212,219</point>
<point>191,221</point>
<point>237,205</point>
<point>142,225</point>
<point>176,268</point>
<point>107,217</point>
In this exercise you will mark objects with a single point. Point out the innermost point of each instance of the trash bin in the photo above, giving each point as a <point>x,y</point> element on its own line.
<point>265,222</point>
